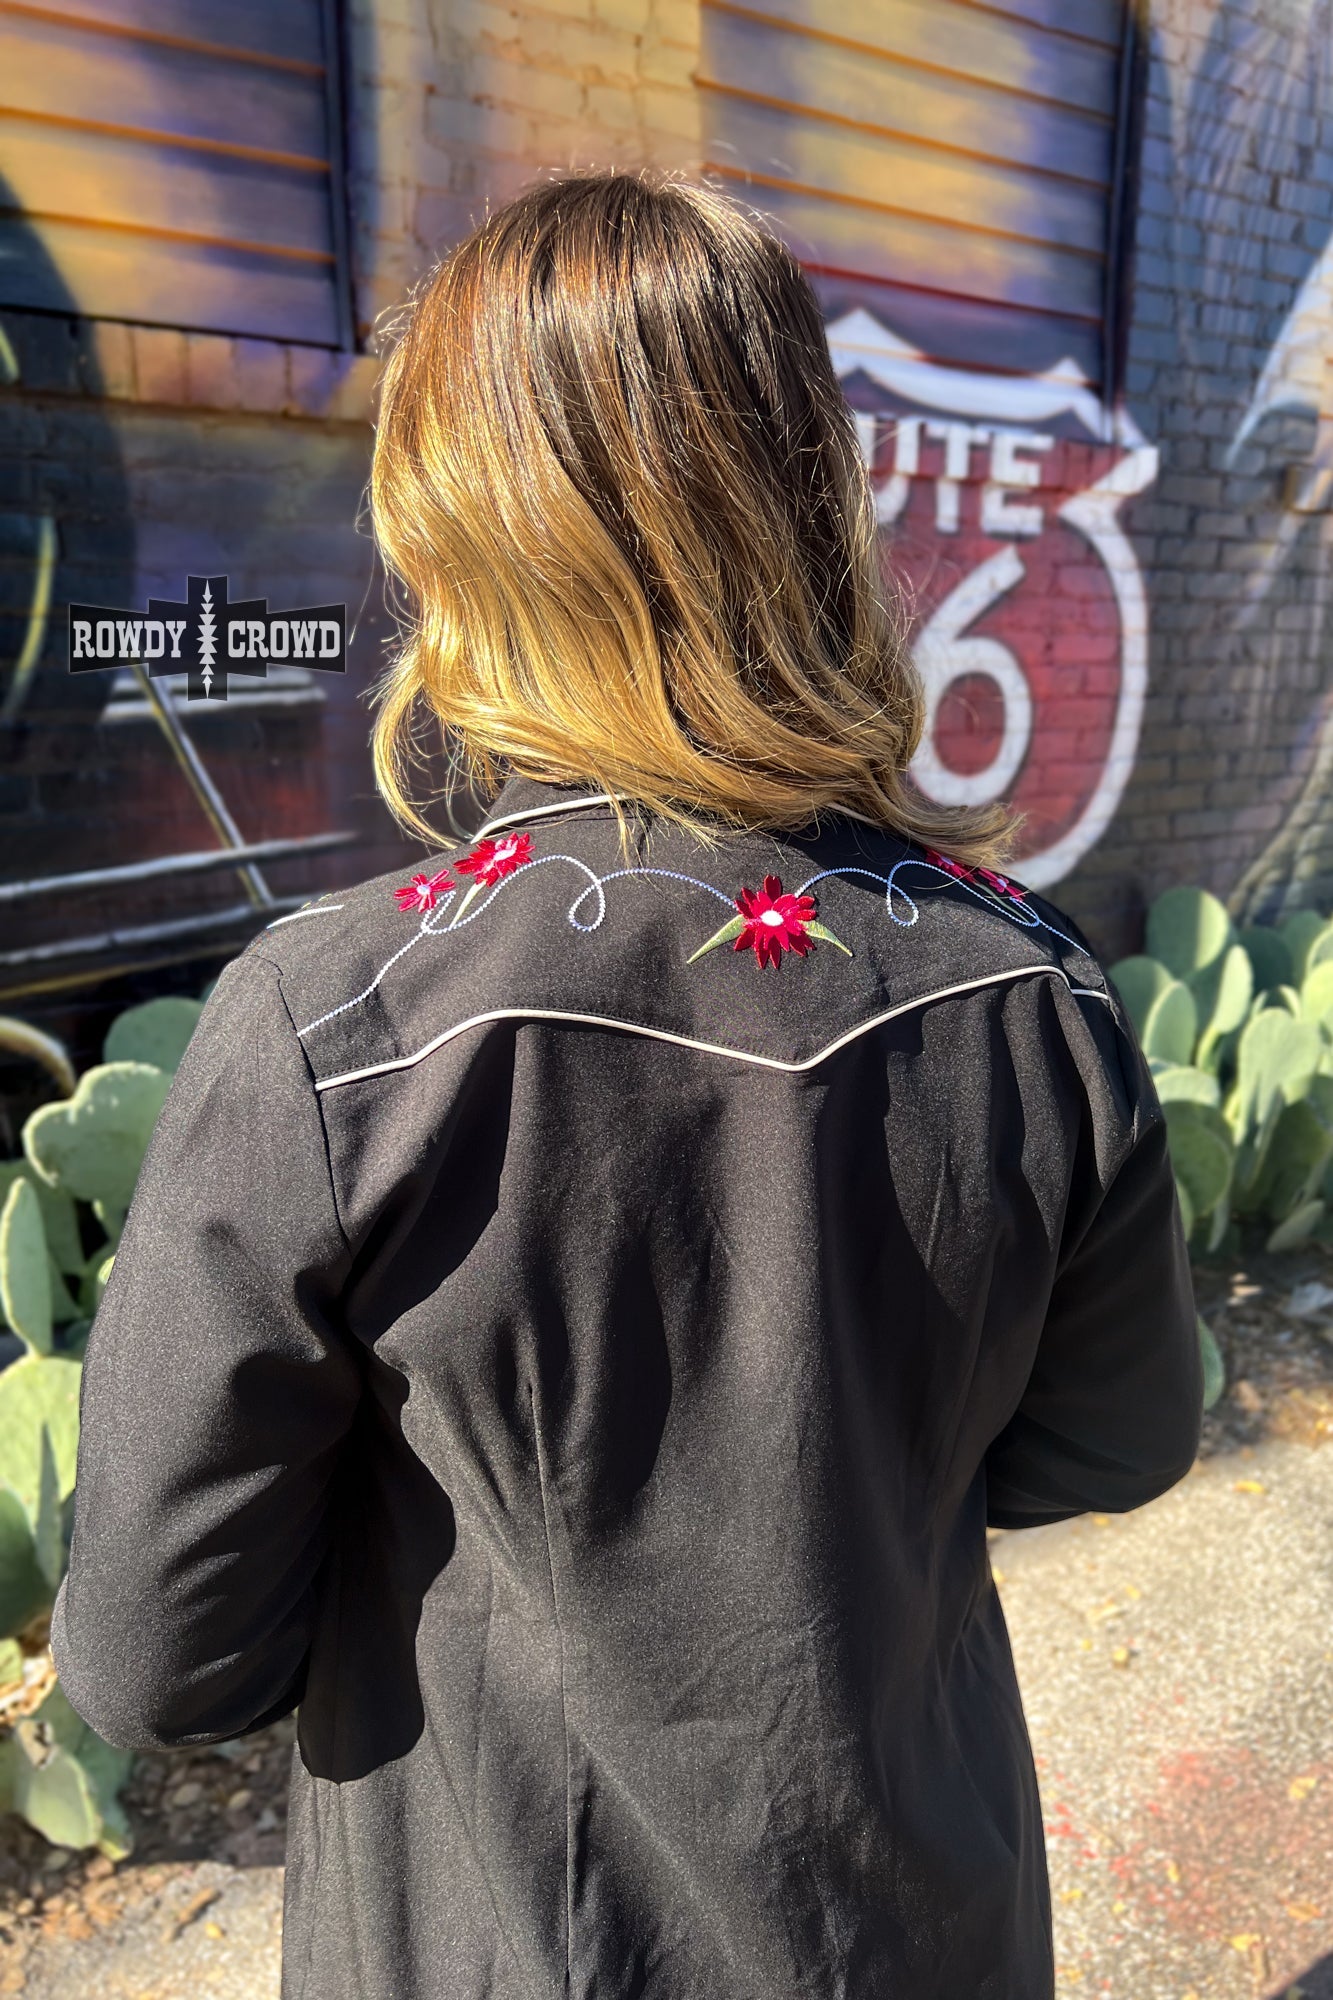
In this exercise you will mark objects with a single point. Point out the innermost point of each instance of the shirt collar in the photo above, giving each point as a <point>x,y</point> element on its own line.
<point>522,798</point>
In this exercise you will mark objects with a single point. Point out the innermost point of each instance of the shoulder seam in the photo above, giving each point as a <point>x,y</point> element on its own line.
<point>276,970</point>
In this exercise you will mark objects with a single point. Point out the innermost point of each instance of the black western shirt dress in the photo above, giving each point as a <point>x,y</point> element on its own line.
<point>575,1324</point>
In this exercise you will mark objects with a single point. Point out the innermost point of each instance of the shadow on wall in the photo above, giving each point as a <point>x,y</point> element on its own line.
<point>66,532</point>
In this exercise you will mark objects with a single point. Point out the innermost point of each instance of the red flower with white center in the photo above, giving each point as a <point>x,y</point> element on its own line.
<point>774,922</point>
<point>771,922</point>
<point>422,891</point>
<point>491,860</point>
<point>950,867</point>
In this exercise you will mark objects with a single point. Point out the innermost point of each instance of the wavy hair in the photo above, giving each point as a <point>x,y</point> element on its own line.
<point>616,473</point>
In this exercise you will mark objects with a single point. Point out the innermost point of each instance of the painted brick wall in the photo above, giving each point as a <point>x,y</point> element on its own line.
<point>1230,373</point>
<point>461,105</point>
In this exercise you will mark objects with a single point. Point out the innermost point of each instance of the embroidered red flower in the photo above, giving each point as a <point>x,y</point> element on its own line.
<point>948,864</point>
<point>774,922</point>
<point>771,921</point>
<point>422,891</point>
<point>491,860</point>
<point>999,885</point>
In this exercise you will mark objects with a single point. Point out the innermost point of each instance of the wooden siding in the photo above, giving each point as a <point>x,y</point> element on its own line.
<point>169,161</point>
<point>947,164</point>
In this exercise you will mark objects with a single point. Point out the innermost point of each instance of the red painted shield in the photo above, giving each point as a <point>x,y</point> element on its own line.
<point>999,498</point>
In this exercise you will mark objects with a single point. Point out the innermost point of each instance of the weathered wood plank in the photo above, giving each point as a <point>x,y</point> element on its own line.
<point>60,70</point>
<point>152,184</point>
<point>800,71</point>
<point>814,152</point>
<point>1091,20</point>
<point>964,332</point>
<point>289,30</point>
<point>907,250</point>
<point>117,274</point>
<point>964,41</point>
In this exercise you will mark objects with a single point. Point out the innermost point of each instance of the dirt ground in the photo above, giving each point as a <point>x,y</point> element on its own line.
<point>203,1818</point>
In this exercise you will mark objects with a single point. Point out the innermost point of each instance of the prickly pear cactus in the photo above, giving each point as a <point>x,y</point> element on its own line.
<point>1201,1155</point>
<point>1172,1027</point>
<point>24,1590</point>
<point>1276,1058</point>
<point>1224,992</point>
<point>1182,1083</point>
<point>88,1149</point>
<point>1187,930</point>
<point>1214,1368</point>
<point>1240,1024</point>
<point>1298,933</point>
<point>155,1033</point>
<point>59,1218</point>
<point>93,1144</point>
<point>25,1269</point>
<point>63,1779</point>
<point>1140,982</point>
<point>38,1392</point>
<point>1269,957</point>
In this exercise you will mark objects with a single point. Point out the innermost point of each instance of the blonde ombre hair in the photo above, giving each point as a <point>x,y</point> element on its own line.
<point>617,475</point>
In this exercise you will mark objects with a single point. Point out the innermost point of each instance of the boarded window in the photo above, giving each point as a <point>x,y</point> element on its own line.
<point>175,162</point>
<point>949,166</point>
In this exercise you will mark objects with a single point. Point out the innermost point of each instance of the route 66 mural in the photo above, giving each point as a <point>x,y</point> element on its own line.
<point>1000,495</point>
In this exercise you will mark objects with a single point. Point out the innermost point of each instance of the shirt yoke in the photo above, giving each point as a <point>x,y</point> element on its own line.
<point>773,949</point>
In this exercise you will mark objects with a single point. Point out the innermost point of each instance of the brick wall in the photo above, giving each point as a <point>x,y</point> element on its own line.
<point>1230,372</point>
<point>460,105</point>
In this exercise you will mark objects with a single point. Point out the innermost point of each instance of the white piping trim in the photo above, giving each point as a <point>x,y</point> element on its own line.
<point>316,910</point>
<point>627,798</point>
<point>687,1041</point>
<point>544,812</point>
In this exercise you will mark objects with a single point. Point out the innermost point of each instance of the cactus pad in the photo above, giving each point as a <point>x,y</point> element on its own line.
<point>63,1779</point>
<point>1276,1058</point>
<point>155,1033</point>
<point>25,1271</point>
<point>1140,982</point>
<point>23,1588</point>
<point>1172,1025</point>
<point>1201,1154</point>
<point>93,1144</point>
<point>1187,930</point>
<point>36,1391</point>
<point>1267,952</point>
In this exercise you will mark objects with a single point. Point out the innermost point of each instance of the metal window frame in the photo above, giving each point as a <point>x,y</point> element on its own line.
<point>333,24</point>
<point>1122,215</point>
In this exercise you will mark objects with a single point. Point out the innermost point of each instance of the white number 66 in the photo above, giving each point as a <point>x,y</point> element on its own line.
<point>944,656</point>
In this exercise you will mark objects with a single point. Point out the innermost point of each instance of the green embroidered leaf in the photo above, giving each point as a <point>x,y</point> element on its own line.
<point>473,889</point>
<point>731,929</point>
<point>826,936</point>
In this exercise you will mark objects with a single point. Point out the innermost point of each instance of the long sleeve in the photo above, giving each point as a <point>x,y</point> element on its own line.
<point>217,1388</point>
<point>1111,1412</point>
